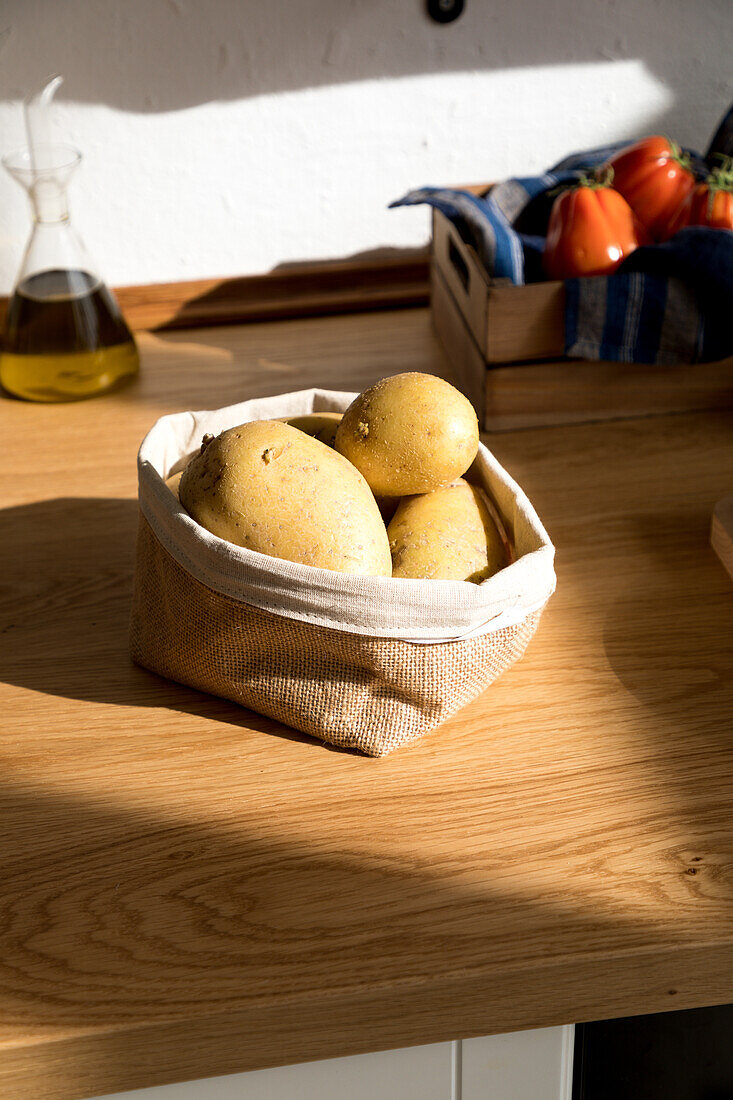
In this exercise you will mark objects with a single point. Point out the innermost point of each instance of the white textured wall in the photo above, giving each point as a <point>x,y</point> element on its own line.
<point>229,136</point>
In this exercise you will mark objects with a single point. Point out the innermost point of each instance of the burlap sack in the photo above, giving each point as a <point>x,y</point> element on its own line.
<point>361,662</point>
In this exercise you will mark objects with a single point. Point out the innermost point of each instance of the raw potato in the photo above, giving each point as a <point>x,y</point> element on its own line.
<point>268,486</point>
<point>173,482</point>
<point>411,433</point>
<point>446,535</point>
<point>321,426</point>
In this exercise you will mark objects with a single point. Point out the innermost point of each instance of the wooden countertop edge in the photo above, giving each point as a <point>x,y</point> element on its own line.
<point>400,278</point>
<point>311,1028</point>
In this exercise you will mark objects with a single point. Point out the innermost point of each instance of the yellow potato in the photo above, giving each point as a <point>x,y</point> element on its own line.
<point>446,535</point>
<point>410,433</point>
<point>321,426</point>
<point>268,486</point>
<point>173,482</point>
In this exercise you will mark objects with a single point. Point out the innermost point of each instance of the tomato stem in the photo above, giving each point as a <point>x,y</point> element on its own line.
<point>676,154</point>
<point>598,179</point>
<point>719,179</point>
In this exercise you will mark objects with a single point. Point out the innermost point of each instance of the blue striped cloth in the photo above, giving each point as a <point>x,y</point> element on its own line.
<point>666,304</point>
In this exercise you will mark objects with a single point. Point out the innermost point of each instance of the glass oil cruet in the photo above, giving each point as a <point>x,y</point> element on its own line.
<point>65,337</point>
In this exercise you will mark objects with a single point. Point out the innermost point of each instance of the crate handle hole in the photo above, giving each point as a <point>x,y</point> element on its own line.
<point>459,264</point>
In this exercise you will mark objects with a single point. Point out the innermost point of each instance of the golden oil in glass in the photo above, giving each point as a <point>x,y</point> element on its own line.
<point>65,338</point>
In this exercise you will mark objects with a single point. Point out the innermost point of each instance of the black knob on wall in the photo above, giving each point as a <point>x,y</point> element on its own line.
<point>444,11</point>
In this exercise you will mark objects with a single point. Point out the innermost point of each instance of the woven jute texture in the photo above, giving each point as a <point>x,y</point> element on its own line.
<point>366,693</point>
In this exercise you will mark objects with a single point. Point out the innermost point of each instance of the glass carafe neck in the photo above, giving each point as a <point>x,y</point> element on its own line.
<point>49,201</point>
<point>44,171</point>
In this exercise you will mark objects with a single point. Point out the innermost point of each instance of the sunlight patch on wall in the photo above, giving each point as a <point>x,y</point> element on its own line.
<point>239,187</point>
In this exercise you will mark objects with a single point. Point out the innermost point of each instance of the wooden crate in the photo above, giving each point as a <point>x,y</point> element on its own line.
<point>506,344</point>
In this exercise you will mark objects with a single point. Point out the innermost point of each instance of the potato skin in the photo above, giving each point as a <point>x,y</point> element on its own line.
<point>446,535</point>
<point>321,426</point>
<point>408,434</point>
<point>173,482</point>
<point>268,486</point>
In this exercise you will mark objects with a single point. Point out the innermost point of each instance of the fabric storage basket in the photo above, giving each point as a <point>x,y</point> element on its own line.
<point>369,663</point>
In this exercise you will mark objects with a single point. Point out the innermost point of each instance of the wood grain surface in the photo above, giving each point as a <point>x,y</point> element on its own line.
<point>189,889</point>
<point>398,277</point>
<point>721,532</point>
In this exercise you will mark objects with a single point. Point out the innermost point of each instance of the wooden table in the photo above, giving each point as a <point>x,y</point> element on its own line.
<point>189,889</point>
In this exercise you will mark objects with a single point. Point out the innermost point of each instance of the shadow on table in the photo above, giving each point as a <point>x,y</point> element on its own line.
<point>377,279</point>
<point>66,574</point>
<point>670,643</point>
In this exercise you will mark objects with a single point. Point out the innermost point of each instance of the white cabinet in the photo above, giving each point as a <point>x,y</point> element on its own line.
<point>525,1065</point>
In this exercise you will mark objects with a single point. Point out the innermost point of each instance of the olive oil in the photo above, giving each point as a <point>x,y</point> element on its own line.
<point>65,338</point>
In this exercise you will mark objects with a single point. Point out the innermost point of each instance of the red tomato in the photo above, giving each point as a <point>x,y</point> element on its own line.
<point>709,203</point>
<point>654,177</point>
<point>591,230</point>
